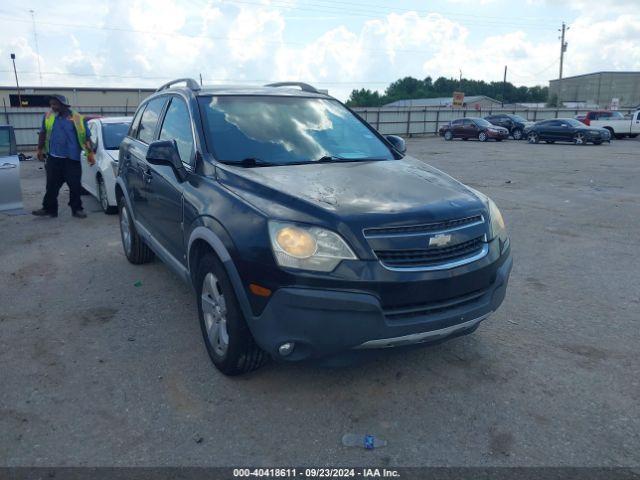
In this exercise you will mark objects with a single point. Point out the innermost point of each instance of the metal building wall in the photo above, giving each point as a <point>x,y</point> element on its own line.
<point>600,88</point>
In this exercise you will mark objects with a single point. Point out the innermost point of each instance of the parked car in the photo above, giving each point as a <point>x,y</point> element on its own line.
<point>10,191</point>
<point>473,127</point>
<point>601,115</point>
<point>619,126</point>
<point>566,130</point>
<point>514,123</point>
<point>304,232</point>
<point>100,179</point>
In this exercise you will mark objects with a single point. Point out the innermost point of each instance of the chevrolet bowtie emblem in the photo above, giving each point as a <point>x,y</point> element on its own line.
<point>439,240</point>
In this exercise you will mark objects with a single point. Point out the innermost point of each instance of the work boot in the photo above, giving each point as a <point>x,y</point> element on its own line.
<point>79,214</point>
<point>43,213</point>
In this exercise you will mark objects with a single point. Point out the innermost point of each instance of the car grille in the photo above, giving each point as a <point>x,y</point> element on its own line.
<point>430,256</point>
<point>424,228</point>
<point>419,309</point>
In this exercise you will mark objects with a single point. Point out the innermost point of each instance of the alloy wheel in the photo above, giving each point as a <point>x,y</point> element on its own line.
<point>579,139</point>
<point>102,192</point>
<point>214,310</point>
<point>533,137</point>
<point>125,230</point>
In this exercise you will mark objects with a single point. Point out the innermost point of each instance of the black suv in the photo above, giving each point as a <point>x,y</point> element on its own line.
<point>304,232</point>
<point>514,123</point>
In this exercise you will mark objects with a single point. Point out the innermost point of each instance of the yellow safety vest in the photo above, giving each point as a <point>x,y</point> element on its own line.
<point>78,122</point>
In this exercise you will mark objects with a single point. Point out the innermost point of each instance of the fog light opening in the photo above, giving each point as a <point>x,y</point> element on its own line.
<point>286,348</point>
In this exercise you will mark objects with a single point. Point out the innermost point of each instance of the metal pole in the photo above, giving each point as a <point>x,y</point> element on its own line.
<point>15,72</point>
<point>563,48</point>
<point>504,85</point>
<point>35,37</point>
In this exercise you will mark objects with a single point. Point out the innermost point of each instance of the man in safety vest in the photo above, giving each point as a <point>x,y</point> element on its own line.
<point>63,137</point>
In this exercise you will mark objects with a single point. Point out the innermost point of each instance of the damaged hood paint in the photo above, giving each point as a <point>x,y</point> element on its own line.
<point>395,190</point>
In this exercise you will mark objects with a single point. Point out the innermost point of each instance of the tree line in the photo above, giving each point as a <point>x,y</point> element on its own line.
<point>410,88</point>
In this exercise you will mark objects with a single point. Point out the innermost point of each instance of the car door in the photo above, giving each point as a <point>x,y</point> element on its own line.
<point>470,129</point>
<point>135,154</point>
<point>163,189</point>
<point>89,171</point>
<point>10,191</point>
<point>456,128</point>
<point>550,130</point>
<point>565,131</point>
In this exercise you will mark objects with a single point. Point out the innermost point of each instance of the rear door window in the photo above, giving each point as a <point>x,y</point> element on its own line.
<point>149,120</point>
<point>135,124</point>
<point>177,126</point>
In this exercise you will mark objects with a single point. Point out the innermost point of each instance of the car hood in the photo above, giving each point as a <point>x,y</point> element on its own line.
<point>393,191</point>
<point>112,154</point>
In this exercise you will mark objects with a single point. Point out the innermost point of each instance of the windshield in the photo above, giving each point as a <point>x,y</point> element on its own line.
<point>517,118</point>
<point>481,122</point>
<point>286,130</point>
<point>113,133</point>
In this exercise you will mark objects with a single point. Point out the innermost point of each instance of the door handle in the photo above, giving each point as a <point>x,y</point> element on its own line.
<point>146,175</point>
<point>7,166</point>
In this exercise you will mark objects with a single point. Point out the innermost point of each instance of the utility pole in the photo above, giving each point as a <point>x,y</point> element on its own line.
<point>563,49</point>
<point>35,37</point>
<point>200,79</point>
<point>15,72</point>
<point>504,84</point>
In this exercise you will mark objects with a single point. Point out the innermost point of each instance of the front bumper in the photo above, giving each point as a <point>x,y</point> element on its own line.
<point>499,134</point>
<point>326,322</point>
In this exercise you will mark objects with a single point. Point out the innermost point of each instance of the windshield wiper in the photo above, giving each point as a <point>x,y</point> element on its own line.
<point>334,159</point>
<point>251,162</point>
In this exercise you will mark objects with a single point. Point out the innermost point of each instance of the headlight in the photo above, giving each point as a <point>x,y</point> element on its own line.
<point>498,228</point>
<point>307,248</point>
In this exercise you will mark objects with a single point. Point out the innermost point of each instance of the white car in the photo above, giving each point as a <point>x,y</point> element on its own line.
<point>620,126</point>
<point>100,179</point>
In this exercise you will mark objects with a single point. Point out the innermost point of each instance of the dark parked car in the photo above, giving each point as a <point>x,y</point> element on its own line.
<point>514,123</point>
<point>566,130</point>
<point>472,127</point>
<point>303,231</point>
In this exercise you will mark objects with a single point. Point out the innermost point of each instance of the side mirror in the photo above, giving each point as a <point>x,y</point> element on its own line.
<point>397,142</point>
<point>165,152</point>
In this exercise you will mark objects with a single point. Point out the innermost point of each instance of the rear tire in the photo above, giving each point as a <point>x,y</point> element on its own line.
<point>482,136</point>
<point>226,335</point>
<point>516,134</point>
<point>579,139</point>
<point>136,251</point>
<point>102,196</point>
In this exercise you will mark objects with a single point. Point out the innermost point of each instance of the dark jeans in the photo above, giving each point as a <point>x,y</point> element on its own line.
<point>59,171</point>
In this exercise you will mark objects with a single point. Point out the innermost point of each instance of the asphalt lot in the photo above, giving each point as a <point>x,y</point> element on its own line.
<point>97,371</point>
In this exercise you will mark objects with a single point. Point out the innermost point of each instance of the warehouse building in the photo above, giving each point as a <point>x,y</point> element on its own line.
<point>472,101</point>
<point>79,97</point>
<point>601,89</point>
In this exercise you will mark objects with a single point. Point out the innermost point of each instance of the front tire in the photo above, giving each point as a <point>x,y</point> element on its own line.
<point>104,199</point>
<point>448,135</point>
<point>136,251</point>
<point>533,137</point>
<point>482,136</point>
<point>517,134</point>
<point>579,139</point>
<point>229,342</point>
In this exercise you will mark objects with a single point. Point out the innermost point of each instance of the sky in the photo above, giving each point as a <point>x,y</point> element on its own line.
<point>337,45</point>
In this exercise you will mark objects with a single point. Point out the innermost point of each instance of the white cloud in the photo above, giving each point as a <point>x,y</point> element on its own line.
<point>236,42</point>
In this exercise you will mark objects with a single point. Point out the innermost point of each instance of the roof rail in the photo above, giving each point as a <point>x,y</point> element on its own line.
<point>191,84</point>
<point>305,87</point>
